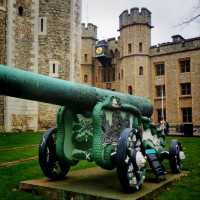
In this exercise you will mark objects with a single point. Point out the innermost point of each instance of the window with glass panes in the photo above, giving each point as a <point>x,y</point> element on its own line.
<point>129,48</point>
<point>184,65</point>
<point>160,69</point>
<point>160,90</point>
<point>185,88</point>
<point>161,114</point>
<point>187,114</point>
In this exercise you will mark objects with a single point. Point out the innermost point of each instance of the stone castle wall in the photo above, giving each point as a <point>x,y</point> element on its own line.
<point>174,101</point>
<point>135,27</point>
<point>89,37</point>
<point>175,47</point>
<point>135,17</point>
<point>42,37</point>
<point>2,35</point>
<point>21,53</point>
<point>54,46</point>
<point>89,31</point>
<point>60,46</point>
<point>2,55</point>
<point>137,34</point>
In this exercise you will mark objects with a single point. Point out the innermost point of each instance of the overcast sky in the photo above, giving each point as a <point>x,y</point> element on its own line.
<point>166,15</point>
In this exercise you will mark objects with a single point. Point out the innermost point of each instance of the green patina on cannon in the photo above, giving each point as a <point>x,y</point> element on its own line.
<point>112,129</point>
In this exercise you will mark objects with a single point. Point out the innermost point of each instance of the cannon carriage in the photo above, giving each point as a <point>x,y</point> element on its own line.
<point>110,128</point>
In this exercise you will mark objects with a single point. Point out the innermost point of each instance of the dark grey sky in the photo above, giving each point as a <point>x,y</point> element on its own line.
<point>166,15</point>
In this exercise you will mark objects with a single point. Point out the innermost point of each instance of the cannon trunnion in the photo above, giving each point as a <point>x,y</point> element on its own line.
<point>112,129</point>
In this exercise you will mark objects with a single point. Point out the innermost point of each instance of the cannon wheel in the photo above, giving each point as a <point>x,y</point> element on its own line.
<point>174,156</point>
<point>51,167</point>
<point>130,175</point>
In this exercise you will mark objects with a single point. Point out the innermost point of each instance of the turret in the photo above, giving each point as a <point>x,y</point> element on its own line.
<point>89,38</point>
<point>135,17</point>
<point>89,31</point>
<point>135,41</point>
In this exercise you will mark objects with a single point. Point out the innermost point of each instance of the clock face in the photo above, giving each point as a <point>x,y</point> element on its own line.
<point>99,50</point>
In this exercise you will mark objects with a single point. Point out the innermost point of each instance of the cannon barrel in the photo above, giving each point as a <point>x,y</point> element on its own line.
<point>32,86</point>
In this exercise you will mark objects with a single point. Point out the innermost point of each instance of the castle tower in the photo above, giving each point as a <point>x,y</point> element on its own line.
<point>59,43</point>
<point>42,37</point>
<point>89,38</point>
<point>135,40</point>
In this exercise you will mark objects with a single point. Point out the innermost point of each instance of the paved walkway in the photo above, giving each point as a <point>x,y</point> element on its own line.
<point>94,183</point>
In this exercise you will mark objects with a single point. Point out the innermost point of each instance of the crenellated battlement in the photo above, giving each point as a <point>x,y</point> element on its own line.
<point>135,16</point>
<point>112,41</point>
<point>89,31</point>
<point>178,44</point>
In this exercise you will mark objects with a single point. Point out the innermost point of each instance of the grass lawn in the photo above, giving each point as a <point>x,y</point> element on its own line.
<point>187,188</point>
<point>18,139</point>
<point>16,154</point>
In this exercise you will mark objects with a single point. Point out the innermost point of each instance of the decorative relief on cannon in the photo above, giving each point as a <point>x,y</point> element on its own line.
<point>112,129</point>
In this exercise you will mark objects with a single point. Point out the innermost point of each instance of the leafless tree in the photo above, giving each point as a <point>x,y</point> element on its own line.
<point>195,16</point>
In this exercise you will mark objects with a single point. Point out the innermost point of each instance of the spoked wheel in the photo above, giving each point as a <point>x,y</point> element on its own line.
<point>175,153</point>
<point>51,167</point>
<point>130,161</point>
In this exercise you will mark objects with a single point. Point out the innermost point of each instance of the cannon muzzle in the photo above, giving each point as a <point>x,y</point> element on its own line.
<point>27,85</point>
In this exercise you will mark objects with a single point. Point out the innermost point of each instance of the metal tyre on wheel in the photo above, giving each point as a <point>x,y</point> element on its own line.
<point>174,156</point>
<point>51,167</point>
<point>130,161</point>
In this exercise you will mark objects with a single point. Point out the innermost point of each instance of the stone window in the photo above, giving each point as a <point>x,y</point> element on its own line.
<point>103,75</point>
<point>161,114</point>
<point>129,48</point>
<point>160,69</point>
<point>108,86</point>
<point>187,114</point>
<point>85,78</point>
<point>42,26</point>
<point>122,74</point>
<point>113,74</point>
<point>184,65</point>
<point>140,47</point>
<point>108,74</point>
<point>119,76</point>
<point>130,90</point>
<point>20,11</point>
<point>117,53</point>
<point>2,3</point>
<point>160,91</point>
<point>85,57</point>
<point>112,54</point>
<point>54,69</point>
<point>141,71</point>
<point>185,88</point>
<point>158,49</point>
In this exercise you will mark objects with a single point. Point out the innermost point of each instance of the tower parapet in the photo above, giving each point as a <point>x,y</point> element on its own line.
<point>89,31</point>
<point>135,17</point>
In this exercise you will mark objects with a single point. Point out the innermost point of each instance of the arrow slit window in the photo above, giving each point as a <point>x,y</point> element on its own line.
<point>42,26</point>
<point>54,69</point>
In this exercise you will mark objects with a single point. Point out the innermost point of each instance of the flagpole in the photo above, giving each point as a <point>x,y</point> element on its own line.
<point>162,102</point>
